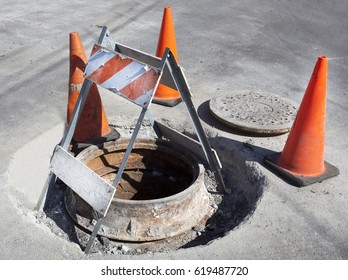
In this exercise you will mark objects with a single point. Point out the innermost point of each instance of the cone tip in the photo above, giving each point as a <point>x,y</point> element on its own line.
<point>323,60</point>
<point>74,39</point>
<point>74,34</point>
<point>167,10</point>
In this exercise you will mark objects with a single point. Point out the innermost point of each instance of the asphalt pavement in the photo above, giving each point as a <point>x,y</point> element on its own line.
<point>224,46</point>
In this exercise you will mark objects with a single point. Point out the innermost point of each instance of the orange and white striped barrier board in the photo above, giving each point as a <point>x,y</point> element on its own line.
<point>122,75</point>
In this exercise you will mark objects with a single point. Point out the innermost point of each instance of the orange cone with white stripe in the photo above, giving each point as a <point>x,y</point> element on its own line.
<point>302,159</point>
<point>92,124</point>
<point>165,95</point>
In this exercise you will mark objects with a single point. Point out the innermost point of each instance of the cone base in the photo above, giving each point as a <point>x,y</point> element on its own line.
<point>167,102</point>
<point>298,180</point>
<point>111,136</point>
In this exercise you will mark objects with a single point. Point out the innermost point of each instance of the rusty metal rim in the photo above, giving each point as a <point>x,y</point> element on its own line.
<point>199,169</point>
<point>152,219</point>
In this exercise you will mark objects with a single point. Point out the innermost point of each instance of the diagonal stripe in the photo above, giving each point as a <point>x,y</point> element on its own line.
<point>109,69</point>
<point>95,49</point>
<point>141,85</point>
<point>125,76</point>
<point>97,60</point>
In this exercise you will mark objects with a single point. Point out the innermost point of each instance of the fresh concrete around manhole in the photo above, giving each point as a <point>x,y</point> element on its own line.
<point>250,222</point>
<point>245,183</point>
<point>28,171</point>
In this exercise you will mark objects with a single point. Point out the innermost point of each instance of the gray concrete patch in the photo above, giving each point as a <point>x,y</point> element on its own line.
<point>245,187</point>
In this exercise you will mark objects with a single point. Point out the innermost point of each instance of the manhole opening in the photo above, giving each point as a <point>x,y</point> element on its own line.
<point>244,180</point>
<point>149,174</point>
<point>161,193</point>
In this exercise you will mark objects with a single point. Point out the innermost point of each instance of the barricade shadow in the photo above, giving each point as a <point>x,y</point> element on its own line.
<point>54,209</point>
<point>245,183</point>
<point>242,164</point>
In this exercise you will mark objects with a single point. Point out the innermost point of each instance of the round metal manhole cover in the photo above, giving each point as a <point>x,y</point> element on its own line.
<point>254,112</point>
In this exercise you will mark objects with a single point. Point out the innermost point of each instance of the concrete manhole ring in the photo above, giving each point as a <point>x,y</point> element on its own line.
<point>254,112</point>
<point>161,194</point>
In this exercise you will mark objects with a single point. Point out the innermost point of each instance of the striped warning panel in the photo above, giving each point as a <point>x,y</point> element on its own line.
<point>127,77</point>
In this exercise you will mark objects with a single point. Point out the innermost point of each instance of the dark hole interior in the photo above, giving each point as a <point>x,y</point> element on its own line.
<point>149,173</point>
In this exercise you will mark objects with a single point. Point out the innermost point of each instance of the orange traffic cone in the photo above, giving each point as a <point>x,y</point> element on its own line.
<point>302,159</point>
<point>93,125</point>
<point>165,95</point>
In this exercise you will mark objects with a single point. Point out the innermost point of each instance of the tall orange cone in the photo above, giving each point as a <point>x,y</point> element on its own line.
<point>165,95</point>
<point>92,125</point>
<point>302,159</point>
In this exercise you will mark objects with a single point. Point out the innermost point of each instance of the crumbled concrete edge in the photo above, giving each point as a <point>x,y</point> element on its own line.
<point>245,187</point>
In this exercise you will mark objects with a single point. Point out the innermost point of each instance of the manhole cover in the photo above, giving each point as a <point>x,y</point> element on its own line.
<point>254,112</point>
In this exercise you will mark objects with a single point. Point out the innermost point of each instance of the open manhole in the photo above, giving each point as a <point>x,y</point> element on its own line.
<point>178,206</point>
<point>161,193</point>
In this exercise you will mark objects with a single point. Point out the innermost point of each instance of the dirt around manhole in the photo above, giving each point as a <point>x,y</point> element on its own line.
<point>244,181</point>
